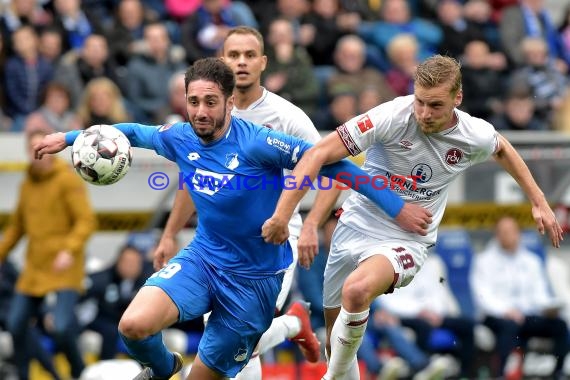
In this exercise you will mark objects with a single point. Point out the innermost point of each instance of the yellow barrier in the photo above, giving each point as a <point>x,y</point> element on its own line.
<point>471,216</point>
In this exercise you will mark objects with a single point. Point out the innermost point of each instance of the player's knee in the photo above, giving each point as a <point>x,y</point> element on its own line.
<point>356,295</point>
<point>134,328</point>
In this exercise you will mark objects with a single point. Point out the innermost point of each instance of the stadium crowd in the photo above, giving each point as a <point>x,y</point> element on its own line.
<point>69,64</point>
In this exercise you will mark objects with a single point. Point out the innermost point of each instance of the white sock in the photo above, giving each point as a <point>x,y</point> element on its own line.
<point>252,370</point>
<point>346,337</point>
<point>283,327</point>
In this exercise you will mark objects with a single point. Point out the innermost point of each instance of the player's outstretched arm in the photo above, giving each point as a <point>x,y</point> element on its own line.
<point>332,150</point>
<point>182,209</point>
<point>544,217</point>
<point>275,230</point>
<point>50,144</point>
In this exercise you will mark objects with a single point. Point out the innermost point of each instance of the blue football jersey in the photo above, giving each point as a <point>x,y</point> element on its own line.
<point>235,183</point>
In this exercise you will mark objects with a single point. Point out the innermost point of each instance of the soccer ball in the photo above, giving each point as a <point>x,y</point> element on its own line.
<point>101,154</point>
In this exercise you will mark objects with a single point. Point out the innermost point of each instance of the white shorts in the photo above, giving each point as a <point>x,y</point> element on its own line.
<point>289,275</point>
<point>349,248</point>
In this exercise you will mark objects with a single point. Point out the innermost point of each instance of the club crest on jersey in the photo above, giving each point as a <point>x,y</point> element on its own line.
<point>241,355</point>
<point>364,124</point>
<point>453,156</point>
<point>165,127</point>
<point>232,161</point>
<point>422,173</point>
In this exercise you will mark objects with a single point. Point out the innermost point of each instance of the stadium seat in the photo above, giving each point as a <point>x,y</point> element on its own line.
<point>534,242</point>
<point>455,249</point>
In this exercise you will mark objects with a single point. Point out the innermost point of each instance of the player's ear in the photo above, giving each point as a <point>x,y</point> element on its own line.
<point>230,103</point>
<point>263,62</point>
<point>458,98</point>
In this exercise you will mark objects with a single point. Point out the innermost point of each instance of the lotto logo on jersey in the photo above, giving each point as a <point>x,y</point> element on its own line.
<point>364,124</point>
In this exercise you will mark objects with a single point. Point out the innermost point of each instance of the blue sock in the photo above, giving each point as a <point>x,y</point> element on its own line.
<point>151,352</point>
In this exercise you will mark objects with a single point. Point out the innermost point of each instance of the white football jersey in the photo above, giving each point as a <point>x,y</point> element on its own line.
<point>396,146</point>
<point>274,112</point>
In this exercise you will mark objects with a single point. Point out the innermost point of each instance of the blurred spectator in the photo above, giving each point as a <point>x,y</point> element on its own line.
<point>77,68</point>
<point>518,113</point>
<point>73,23</point>
<point>102,103</point>
<point>479,14</point>
<point>179,10</point>
<point>351,73</point>
<point>51,45</point>
<point>343,106</point>
<point>148,73</point>
<point>125,36</point>
<point>397,18</point>
<point>54,212</point>
<point>403,57</point>
<point>530,19</point>
<point>289,71</point>
<point>363,10</point>
<point>18,13</point>
<point>384,328</point>
<point>497,7</point>
<point>8,278</point>
<point>26,75</point>
<point>175,110</point>
<point>295,11</point>
<point>426,305</point>
<point>564,30</point>
<point>483,80</point>
<point>457,30</point>
<point>55,114</point>
<point>327,20</point>
<point>512,293</point>
<point>204,31</point>
<point>369,98</point>
<point>112,290</point>
<point>5,122</point>
<point>548,86</point>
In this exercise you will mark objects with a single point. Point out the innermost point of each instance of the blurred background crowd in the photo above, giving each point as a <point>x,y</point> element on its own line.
<point>69,64</point>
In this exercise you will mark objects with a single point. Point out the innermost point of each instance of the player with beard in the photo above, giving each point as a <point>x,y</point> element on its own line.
<point>243,52</point>
<point>234,171</point>
<point>424,135</point>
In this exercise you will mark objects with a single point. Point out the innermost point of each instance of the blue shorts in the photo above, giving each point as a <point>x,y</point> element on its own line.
<point>242,308</point>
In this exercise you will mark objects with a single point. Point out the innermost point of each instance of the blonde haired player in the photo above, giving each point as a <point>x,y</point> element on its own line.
<point>422,135</point>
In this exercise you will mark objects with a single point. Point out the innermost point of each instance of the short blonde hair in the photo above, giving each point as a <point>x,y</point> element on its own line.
<point>438,70</point>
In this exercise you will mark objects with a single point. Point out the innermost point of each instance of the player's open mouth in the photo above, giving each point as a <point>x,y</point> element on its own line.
<point>241,73</point>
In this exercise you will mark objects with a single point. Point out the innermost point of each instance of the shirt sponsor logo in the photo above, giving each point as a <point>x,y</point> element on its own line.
<point>281,145</point>
<point>364,124</point>
<point>453,156</point>
<point>422,173</point>
<point>208,182</point>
